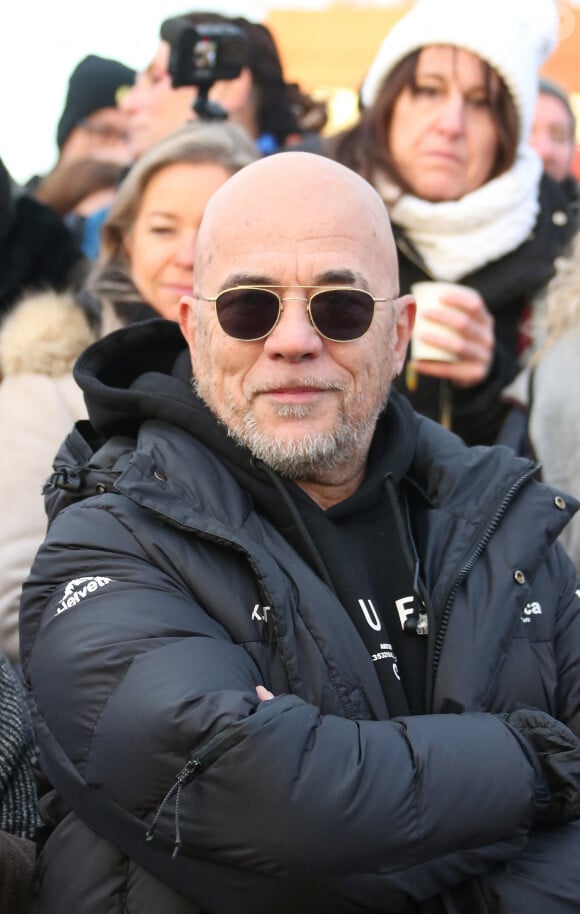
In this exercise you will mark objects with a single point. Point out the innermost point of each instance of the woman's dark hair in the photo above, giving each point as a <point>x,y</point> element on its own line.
<point>282,109</point>
<point>365,147</point>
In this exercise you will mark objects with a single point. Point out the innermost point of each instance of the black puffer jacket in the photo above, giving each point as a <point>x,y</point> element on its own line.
<point>155,608</point>
<point>507,286</point>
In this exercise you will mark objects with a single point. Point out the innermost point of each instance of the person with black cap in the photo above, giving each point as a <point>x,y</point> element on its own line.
<point>91,124</point>
<point>93,147</point>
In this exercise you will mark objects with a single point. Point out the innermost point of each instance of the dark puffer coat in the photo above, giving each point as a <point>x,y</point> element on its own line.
<point>37,250</point>
<point>157,606</point>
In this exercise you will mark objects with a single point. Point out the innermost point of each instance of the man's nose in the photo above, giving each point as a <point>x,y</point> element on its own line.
<point>294,337</point>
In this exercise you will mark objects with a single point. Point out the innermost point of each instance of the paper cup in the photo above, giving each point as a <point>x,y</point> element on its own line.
<point>428,294</point>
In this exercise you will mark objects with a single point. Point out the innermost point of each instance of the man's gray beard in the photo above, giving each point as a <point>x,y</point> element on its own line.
<point>308,458</point>
<point>312,456</point>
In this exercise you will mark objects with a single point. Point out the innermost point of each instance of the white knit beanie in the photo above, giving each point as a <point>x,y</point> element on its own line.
<point>514,37</point>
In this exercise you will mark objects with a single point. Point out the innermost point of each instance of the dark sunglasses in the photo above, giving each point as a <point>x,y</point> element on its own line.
<point>341,314</point>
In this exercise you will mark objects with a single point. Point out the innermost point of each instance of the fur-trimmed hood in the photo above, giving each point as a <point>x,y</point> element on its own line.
<point>44,334</point>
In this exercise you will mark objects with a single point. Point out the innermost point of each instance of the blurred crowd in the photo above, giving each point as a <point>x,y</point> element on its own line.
<point>470,150</point>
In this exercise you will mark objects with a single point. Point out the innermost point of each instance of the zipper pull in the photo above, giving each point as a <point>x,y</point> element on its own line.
<point>422,623</point>
<point>417,625</point>
<point>183,778</point>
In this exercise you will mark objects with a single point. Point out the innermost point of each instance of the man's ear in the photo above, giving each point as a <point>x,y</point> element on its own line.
<point>405,310</point>
<point>186,321</point>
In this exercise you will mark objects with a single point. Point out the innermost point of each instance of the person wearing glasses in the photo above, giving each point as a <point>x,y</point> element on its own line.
<point>292,647</point>
<point>93,148</point>
<point>92,125</point>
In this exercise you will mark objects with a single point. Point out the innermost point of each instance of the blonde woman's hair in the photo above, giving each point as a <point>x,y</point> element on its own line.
<point>199,142</point>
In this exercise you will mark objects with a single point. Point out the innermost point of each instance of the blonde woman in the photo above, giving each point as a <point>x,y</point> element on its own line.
<point>146,264</point>
<point>146,257</point>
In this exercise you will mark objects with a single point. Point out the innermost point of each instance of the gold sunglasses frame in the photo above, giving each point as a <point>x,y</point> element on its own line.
<point>308,299</point>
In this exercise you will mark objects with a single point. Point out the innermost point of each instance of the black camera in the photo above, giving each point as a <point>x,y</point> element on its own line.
<point>200,55</point>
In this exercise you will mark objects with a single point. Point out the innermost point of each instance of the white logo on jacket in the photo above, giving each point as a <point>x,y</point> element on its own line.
<point>260,613</point>
<point>77,590</point>
<point>531,609</point>
<point>371,615</point>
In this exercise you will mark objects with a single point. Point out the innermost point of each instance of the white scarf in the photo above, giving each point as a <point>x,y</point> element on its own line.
<point>457,237</point>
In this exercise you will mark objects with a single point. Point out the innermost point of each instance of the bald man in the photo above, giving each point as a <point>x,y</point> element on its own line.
<point>280,627</point>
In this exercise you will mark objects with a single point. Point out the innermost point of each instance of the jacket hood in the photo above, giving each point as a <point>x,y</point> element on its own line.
<point>136,373</point>
<point>143,372</point>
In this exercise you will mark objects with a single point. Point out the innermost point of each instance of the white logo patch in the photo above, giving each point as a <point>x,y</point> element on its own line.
<point>260,613</point>
<point>531,609</point>
<point>370,614</point>
<point>77,590</point>
<point>386,653</point>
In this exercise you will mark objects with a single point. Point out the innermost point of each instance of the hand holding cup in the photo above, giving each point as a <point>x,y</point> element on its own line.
<point>453,336</point>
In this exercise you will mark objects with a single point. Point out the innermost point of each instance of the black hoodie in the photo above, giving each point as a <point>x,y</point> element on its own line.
<point>150,378</point>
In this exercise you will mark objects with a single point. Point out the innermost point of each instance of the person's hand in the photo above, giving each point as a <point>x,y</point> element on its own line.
<point>472,343</point>
<point>557,750</point>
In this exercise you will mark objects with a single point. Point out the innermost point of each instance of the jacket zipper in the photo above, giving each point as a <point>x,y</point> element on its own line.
<point>209,751</point>
<point>468,565</point>
<point>419,621</point>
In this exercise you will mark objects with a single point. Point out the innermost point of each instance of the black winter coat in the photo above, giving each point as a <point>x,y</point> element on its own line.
<point>37,250</point>
<point>507,286</point>
<point>158,604</point>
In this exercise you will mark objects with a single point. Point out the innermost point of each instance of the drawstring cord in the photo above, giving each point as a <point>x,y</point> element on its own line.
<point>186,775</point>
<point>420,625</point>
<point>308,544</point>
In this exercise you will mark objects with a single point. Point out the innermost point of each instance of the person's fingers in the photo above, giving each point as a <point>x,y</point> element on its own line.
<point>263,693</point>
<point>471,342</point>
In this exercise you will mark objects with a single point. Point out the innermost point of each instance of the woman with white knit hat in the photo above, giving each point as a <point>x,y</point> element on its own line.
<point>443,137</point>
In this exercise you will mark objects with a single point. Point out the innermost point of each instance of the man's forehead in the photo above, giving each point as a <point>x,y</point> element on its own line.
<point>290,248</point>
<point>293,183</point>
<point>300,198</point>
